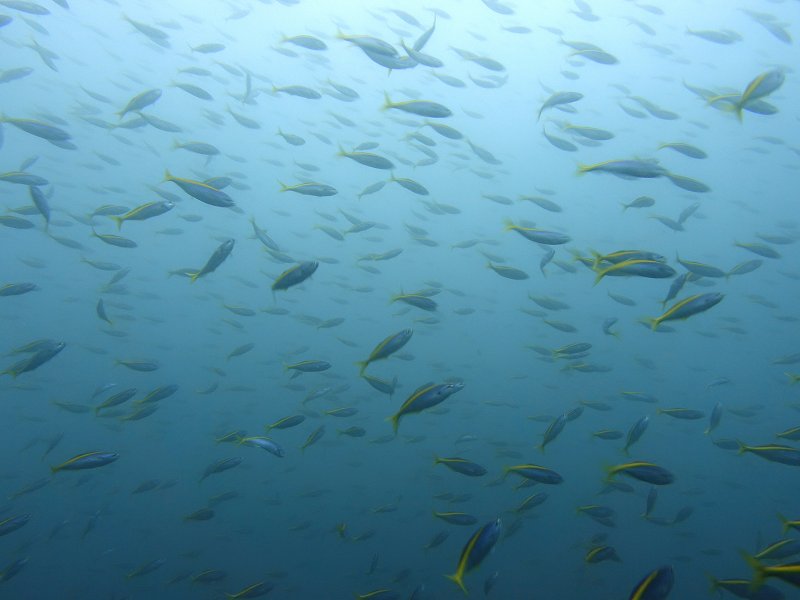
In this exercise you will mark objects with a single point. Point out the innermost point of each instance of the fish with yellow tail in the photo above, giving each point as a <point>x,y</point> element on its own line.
<point>477,548</point>
<point>426,396</point>
<point>687,307</point>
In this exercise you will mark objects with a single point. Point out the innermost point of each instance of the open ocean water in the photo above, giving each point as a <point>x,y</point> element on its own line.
<point>312,299</point>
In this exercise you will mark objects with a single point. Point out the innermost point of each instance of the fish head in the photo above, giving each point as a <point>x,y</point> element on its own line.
<point>450,388</point>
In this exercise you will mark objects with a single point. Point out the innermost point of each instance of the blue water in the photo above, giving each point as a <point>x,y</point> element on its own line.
<point>352,515</point>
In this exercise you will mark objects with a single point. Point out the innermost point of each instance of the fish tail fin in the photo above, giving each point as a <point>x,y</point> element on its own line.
<point>610,470</point>
<point>600,274</point>
<point>167,175</point>
<point>784,522</point>
<point>624,206</point>
<point>742,447</point>
<point>395,421</point>
<point>714,583</point>
<point>508,225</point>
<point>118,221</point>
<point>362,365</point>
<point>284,187</point>
<point>596,258</point>
<point>458,579</point>
<point>759,571</point>
<point>194,276</point>
<point>654,323</point>
<point>387,101</point>
<point>584,168</point>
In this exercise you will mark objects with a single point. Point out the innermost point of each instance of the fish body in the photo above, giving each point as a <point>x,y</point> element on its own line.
<point>426,396</point>
<point>477,548</point>
<point>387,347</point>
<point>87,460</point>
<point>295,275</point>
<point>201,191</point>
<point>145,211</point>
<point>688,307</point>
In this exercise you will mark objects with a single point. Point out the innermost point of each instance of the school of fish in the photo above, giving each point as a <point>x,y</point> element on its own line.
<point>506,291</point>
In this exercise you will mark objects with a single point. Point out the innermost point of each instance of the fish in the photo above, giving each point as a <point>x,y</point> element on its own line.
<point>265,444</point>
<point>425,397</point>
<point>643,471</point>
<point>141,101</point>
<point>87,460</point>
<point>38,358</point>
<point>631,169</point>
<point>461,465</point>
<point>686,414</point>
<point>17,289</point>
<point>685,149</point>
<point>599,554</point>
<point>309,42</point>
<point>553,430</point>
<point>310,188</point>
<point>255,590</point>
<point>477,548</point>
<point>40,129</point>
<point>386,348</point>
<point>456,518</point>
<point>144,212</point>
<point>313,437</point>
<point>656,585</point>
<point>309,366</point>
<point>219,256</point>
<point>687,307</point>
<point>539,236</point>
<point>508,272</point>
<point>535,473</point>
<point>760,87</point>
<point>778,453</point>
<point>559,99</point>
<point>295,275</point>
<point>417,300</point>
<point>640,202</point>
<point>651,269</point>
<point>368,159</point>
<point>422,108</point>
<point>201,191</point>
<point>220,466</point>
<point>11,524</point>
<point>300,91</point>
